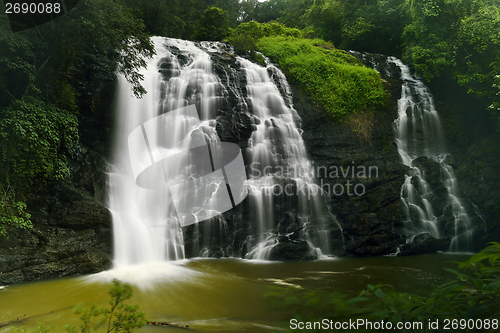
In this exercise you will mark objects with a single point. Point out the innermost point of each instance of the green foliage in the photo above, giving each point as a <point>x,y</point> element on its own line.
<point>34,137</point>
<point>477,59</point>
<point>458,39</point>
<point>110,31</point>
<point>119,317</point>
<point>161,18</point>
<point>452,38</point>
<point>39,61</point>
<point>369,26</point>
<point>258,30</point>
<point>332,77</point>
<point>212,25</point>
<point>244,38</point>
<point>12,212</point>
<point>16,69</point>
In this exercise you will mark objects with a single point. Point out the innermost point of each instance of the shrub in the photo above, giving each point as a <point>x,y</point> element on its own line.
<point>244,36</point>
<point>333,78</point>
<point>119,317</point>
<point>12,212</point>
<point>473,294</point>
<point>34,137</point>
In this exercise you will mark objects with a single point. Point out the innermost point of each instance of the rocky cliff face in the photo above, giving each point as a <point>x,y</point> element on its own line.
<point>71,236</point>
<point>371,222</point>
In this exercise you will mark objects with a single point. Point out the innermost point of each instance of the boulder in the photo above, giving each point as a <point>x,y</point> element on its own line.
<point>425,243</point>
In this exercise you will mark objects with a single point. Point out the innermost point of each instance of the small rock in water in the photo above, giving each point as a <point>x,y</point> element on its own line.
<point>425,243</point>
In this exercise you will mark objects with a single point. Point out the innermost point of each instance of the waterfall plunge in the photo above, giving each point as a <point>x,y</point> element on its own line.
<point>145,222</point>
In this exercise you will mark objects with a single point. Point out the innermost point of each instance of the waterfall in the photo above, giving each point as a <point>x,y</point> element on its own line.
<point>420,143</point>
<point>144,224</point>
<point>280,168</point>
<point>161,144</point>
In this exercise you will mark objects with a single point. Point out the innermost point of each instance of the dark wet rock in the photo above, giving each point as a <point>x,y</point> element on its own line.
<point>425,243</point>
<point>288,249</point>
<point>366,204</point>
<point>71,236</point>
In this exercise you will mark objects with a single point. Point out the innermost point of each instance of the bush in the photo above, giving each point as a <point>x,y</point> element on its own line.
<point>34,137</point>
<point>117,318</point>
<point>473,294</point>
<point>258,30</point>
<point>12,212</point>
<point>246,35</point>
<point>333,78</point>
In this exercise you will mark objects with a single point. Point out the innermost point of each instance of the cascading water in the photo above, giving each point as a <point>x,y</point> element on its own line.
<point>147,222</point>
<point>418,134</point>
<point>279,164</point>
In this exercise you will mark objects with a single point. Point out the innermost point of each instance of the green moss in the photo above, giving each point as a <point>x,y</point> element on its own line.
<point>332,77</point>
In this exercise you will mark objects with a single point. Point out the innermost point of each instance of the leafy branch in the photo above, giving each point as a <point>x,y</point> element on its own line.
<point>119,317</point>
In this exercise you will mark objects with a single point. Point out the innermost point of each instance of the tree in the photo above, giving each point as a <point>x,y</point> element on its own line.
<point>232,7</point>
<point>213,25</point>
<point>119,317</point>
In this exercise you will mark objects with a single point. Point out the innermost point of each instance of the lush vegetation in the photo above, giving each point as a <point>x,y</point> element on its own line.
<point>473,294</point>
<point>118,317</point>
<point>244,38</point>
<point>332,77</point>
<point>12,212</point>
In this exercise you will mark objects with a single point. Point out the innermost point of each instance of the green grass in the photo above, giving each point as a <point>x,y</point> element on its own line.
<point>331,77</point>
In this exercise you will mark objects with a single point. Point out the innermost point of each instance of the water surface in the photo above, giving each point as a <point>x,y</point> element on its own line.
<point>217,295</point>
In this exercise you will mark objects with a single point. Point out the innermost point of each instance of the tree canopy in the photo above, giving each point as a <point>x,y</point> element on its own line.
<point>212,25</point>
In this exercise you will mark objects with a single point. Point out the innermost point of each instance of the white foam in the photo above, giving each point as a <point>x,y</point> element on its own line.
<point>148,275</point>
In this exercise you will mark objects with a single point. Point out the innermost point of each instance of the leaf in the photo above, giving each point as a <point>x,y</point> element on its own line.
<point>357,300</point>
<point>379,293</point>
<point>476,311</point>
<point>477,283</point>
